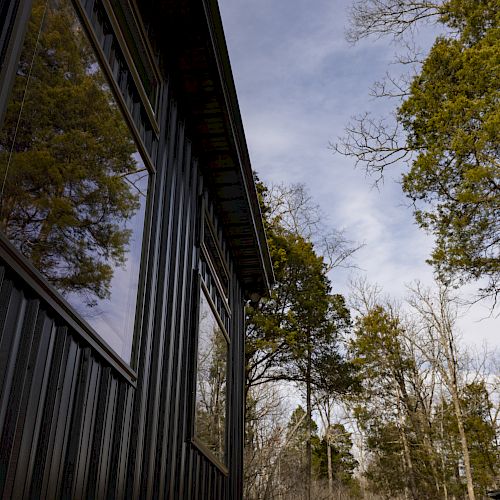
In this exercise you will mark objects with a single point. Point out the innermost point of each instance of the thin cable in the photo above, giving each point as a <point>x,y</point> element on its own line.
<point>24,99</point>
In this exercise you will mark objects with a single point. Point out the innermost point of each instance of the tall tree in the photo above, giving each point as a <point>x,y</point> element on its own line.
<point>452,122</point>
<point>293,336</point>
<point>397,397</point>
<point>334,459</point>
<point>265,421</point>
<point>437,315</point>
<point>427,410</point>
<point>393,401</point>
<point>301,283</point>
<point>476,404</point>
<point>445,132</point>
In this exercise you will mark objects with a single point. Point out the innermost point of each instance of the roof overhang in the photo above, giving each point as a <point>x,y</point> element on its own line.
<point>189,37</point>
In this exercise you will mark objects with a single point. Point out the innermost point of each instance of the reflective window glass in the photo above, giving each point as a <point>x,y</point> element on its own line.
<point>211,378</point>
<point>73,185</point>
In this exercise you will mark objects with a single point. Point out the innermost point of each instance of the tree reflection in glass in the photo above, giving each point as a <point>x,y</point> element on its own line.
<point>210,423</point>
<point>72,184</point>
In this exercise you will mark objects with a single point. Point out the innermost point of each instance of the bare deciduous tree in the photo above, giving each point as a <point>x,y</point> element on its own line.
<point>395,18</point>
<point>264,425</point>
<point>292,207</point>
<point>437,314</point>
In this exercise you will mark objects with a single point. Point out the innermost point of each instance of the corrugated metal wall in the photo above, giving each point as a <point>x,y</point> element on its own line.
<point>64,415</point>
<point>71,424</point>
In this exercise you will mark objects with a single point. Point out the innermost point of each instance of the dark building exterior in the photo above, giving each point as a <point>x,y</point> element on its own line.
<point>130,239</point>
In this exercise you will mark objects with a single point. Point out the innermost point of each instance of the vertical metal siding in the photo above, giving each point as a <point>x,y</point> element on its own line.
<point>71,425</point>
<point>59,404</point>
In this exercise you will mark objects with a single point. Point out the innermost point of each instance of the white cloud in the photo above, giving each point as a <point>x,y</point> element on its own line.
<point>298,84</point>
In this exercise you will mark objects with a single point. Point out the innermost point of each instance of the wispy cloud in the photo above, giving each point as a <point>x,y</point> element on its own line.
<point>298,84</point>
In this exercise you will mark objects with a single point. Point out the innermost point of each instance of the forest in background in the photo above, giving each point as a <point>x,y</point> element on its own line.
<point>389,402</point>
<point>363,396</point>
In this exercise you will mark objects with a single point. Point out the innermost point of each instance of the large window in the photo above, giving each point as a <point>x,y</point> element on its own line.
<point>73,185</point>
<point>212,353</point>
<point>211,380</point>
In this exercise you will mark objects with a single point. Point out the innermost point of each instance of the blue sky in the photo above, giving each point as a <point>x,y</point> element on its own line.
<point>298,84</point>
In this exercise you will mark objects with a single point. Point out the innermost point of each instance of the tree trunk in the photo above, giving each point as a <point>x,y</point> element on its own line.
<point>439,319</point>
<point>419,421</point>
<point>267,492</point>
<point>330,467</point>
<point>465,448</point>
<point>402,432</point>
<point>443,465</point>
<point>448,342</point>
<point>409,465</point>
<point>309,430</point>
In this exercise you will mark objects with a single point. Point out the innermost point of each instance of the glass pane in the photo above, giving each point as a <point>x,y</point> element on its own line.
<point>211,382</point>
<point>131,34</point>
<point>72,184</point>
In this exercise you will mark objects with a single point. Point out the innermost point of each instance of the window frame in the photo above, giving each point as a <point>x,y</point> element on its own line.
<point>21,264</point>
<point>199,289</point>
<point>106,68</point>
<point>151,108</point>
<point>208,227</point>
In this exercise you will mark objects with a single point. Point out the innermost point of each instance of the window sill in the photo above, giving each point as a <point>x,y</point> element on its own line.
<point>203,449</point>
<point>46,292</point>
